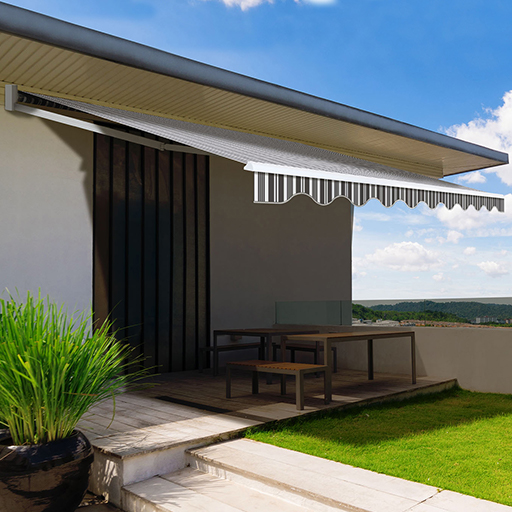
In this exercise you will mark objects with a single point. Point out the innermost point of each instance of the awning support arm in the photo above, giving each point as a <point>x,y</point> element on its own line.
<point>12,105</point>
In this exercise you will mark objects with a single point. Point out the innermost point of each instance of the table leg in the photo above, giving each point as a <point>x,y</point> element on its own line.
<point>413,357</point>
<point>228,382</point>
<point>215,355</point>
<point>268,356</point>
<point>328,370</point>
<point>255,383</point>
<point>325,388</point>
<point>299,391</point>
<point>283,359</point>
<point>370,359</point>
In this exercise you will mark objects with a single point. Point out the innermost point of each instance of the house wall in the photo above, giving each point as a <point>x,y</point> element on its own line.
<point>261,254</point>
<point>478,358</point>
<point>46,174</point>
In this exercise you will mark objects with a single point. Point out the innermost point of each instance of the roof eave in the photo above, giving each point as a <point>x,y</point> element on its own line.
<point>45,29</point>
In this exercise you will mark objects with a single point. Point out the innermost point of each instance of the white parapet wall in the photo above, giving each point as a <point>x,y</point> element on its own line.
<point>479,358</point>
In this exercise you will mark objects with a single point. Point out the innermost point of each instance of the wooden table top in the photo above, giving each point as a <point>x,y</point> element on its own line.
<point>349,336</point>
<point>265,331</point>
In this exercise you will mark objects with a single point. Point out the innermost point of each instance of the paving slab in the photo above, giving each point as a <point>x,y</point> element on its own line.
<point>230,493</point>
<point>329,482</point>
<point>295,477</point>
<point>449,501</point>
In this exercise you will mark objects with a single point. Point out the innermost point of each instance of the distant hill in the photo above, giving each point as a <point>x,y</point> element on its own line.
<point>464,310</point>
<point>364,313</point>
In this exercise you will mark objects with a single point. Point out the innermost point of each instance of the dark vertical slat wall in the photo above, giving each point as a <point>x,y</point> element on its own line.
<point>149,257</point>
<point>178,265</point>
<point>190,345</point>
<point>133,256</point>
<point>118,235</point>
<point>151,250</point>
<point>164,260</point>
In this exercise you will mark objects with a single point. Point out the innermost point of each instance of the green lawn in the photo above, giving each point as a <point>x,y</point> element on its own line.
<point>455,440</point>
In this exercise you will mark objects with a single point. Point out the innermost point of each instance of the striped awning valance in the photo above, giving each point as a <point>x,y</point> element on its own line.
<point>283,169</point>
<point>272,187</point>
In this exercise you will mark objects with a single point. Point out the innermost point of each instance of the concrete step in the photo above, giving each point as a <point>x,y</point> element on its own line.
<point>310,481</point>
<point>319,484</point>
<point>137,455</point>
<point>190,490</point>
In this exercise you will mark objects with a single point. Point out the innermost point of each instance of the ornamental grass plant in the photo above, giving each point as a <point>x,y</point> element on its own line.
<point>54,367</point>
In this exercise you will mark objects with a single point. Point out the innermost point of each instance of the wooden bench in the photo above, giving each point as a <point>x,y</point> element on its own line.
<point>315,348</point>
<point>282,368</point>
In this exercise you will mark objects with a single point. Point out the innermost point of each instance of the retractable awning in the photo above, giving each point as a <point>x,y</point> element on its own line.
<point>283,169</point>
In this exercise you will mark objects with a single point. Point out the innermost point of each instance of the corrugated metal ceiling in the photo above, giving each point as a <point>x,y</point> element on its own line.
<point>38,67</point>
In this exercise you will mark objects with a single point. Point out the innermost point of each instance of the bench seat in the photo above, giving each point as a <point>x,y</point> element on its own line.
<point>281,368</point>
<point>314,348</point>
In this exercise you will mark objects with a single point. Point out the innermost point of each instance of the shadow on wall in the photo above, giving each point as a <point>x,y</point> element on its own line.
<point>73,138</point>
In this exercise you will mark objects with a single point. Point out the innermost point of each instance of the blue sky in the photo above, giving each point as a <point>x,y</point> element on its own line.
<point>442,65</point>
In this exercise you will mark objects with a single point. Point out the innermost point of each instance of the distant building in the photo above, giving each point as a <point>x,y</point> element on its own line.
<point>389,323</point>
<point>485,319</point>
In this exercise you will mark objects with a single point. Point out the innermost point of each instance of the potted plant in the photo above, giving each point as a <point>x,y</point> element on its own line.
<point>53,369</point>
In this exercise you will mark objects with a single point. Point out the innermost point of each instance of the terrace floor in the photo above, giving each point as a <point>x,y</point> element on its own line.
<point>153,428</point>
<point>176,398</point>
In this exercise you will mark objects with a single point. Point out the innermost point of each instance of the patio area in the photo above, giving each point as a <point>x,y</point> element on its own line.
<point>177,397</point>
<point>153,428</point>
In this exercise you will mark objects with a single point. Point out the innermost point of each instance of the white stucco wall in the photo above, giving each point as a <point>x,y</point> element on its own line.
<point>46,175</point>
<point>261,254</point>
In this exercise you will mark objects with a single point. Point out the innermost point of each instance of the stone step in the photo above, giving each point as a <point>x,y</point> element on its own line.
<point>190,490</point>
<point>138,455</point>
<point>316,483</point>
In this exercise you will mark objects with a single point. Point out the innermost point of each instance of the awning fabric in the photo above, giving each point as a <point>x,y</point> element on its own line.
<point>283,169</point>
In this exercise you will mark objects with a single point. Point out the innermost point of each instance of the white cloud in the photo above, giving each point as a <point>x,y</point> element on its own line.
<point>357,225</point>
<point>248,4</point>
<point>438,277</point>
<point>452,237</point>
<point>245,4</point>
<point>471,219</point>
<point>374,216</point>
<point>409,233</point>
<point>493,269</point>
<point>317,2</point>
<point>472,177</point>
<point>405,257</point>
<point>468,251</point>
<point>494,131</point>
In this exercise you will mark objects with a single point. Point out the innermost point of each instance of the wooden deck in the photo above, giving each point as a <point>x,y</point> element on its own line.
<point>176,397</point>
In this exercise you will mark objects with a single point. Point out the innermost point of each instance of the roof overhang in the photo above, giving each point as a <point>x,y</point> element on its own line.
<point>282,169</point>
<point>50,56</point>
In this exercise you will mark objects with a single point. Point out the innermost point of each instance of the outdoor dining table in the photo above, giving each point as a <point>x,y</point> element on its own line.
<point>329,338</point>
<point>264,334</point>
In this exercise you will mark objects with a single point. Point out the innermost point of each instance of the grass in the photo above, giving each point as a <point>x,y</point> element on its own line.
<point>456,440</point>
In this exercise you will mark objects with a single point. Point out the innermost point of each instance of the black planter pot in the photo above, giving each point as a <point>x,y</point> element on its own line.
<point>50,477</point>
